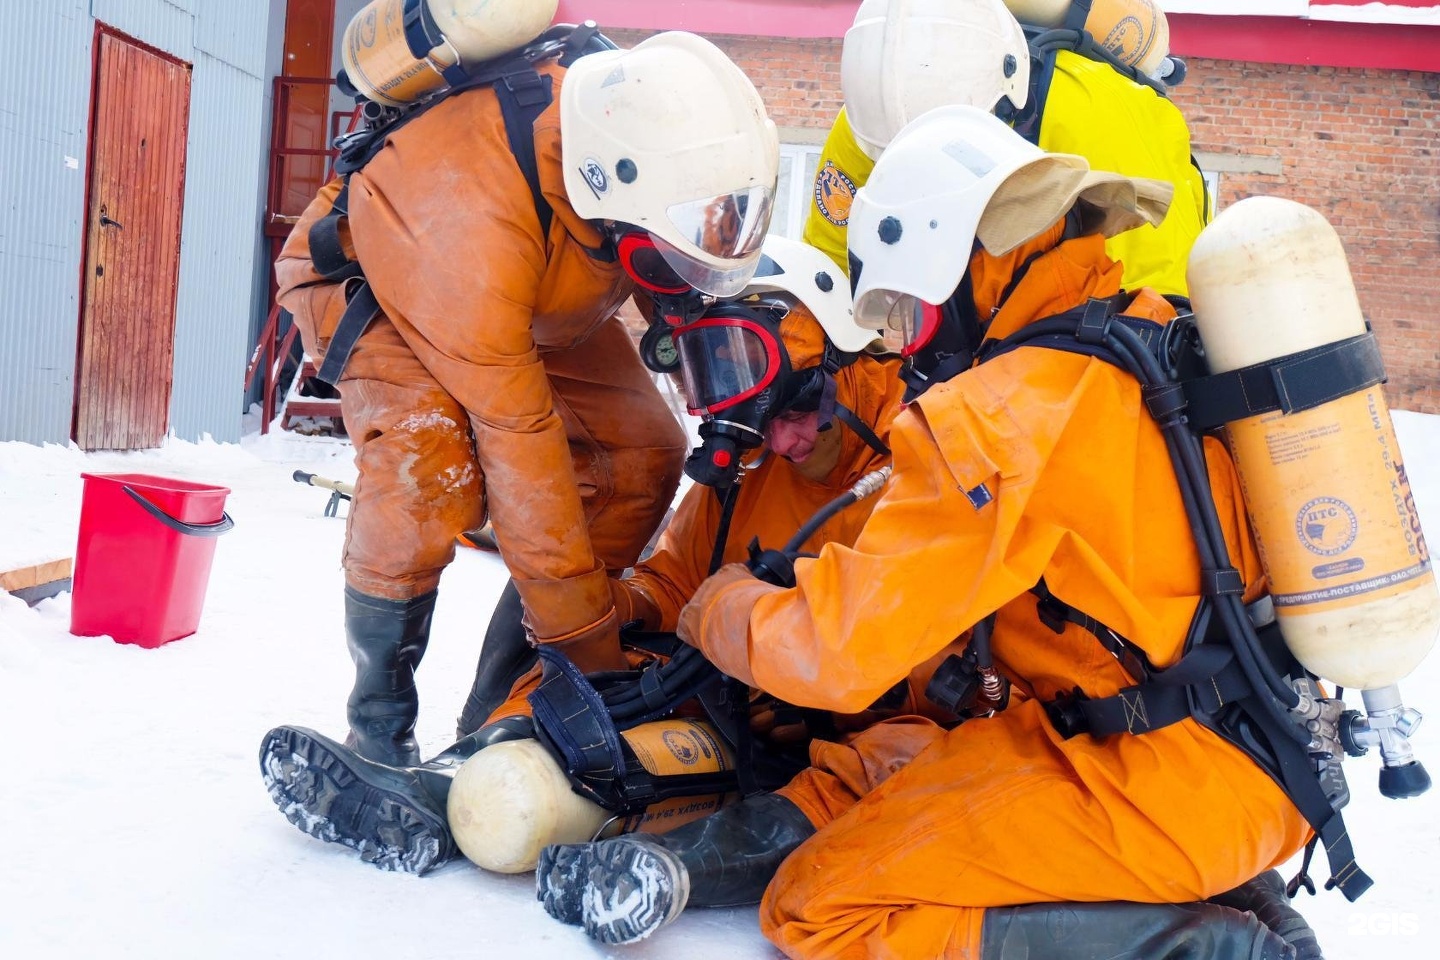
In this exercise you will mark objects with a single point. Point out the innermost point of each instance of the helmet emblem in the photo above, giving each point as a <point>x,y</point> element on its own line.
<point>595,176</point>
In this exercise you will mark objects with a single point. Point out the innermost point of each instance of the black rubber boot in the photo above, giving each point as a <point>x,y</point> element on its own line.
<point>1127,931</point>
<point>393,816</point>
<point>387,638</point>
<point>504,658</point>
<point>1265,897</point>
<point>626,888</point>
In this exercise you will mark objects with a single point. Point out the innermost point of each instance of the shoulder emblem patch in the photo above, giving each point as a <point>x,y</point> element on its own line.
<point>834,192</point>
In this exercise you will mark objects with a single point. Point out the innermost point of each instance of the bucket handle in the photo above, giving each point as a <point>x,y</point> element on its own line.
<point>180,526</point>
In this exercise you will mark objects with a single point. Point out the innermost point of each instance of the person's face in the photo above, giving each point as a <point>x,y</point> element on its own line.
<point>797,437</point>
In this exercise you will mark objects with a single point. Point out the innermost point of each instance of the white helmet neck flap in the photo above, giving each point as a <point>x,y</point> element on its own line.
<point>958,174</point>
<point>672,138</point>
<point>904,57</point>
<point>811,277</point>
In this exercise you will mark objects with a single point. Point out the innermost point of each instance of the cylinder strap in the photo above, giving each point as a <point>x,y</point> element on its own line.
<point>1299,381</point>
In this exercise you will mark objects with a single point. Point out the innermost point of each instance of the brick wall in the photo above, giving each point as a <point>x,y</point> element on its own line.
<point>1359,145</point>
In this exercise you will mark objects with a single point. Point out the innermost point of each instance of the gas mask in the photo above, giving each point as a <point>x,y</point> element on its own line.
<point>736,375</point>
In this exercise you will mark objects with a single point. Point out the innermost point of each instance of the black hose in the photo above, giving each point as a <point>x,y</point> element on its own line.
<point>1189,458</point>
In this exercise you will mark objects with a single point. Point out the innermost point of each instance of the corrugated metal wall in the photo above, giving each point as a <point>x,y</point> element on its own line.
<point>42,175</point>
<point>45,57</point>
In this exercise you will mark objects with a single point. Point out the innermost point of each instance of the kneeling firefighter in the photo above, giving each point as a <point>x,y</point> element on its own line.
<point>459,285</point>
<point>816,407</point>
<point>1072,77</point>
<point>1034,500</point>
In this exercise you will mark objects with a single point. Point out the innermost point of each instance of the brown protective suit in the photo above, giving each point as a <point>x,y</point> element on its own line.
<point>920,828</point>
<point>497,376</point>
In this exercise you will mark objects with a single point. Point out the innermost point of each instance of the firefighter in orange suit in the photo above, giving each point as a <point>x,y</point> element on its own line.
<point>1037,466</point>
<point>496,376</point>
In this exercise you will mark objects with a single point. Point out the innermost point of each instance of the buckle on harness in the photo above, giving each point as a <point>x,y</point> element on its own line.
<point>1066,715</point>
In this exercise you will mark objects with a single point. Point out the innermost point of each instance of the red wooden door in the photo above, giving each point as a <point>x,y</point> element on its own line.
<point>136,192</point>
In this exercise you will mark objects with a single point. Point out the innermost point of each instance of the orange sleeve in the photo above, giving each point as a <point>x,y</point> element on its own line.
<point>670,576</point>
<point>315,303</point>
<point>929,563</point>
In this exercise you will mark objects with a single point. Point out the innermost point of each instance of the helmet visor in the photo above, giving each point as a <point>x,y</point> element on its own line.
<point>916,321</point>
<point>725,362</point>
<point>730,227</point>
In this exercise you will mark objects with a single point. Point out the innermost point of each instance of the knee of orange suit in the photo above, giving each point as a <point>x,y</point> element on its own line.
<point>643,485</point>
<point>419,487</point>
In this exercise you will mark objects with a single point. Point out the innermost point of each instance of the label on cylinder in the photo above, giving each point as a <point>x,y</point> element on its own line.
<point>1337,524</point>
<point>676,746</point>
<point>378,60</point>
<point>669,747</point>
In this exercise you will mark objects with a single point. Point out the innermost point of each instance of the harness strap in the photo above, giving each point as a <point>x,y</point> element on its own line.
<point>1258,722</point>
<point>326,251</point>
<point>1289,384</point>
<point>862,429</point>
<point>360,312</point>
<point>524,94</point>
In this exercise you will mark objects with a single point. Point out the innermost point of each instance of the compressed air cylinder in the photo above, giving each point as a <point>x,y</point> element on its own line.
<point>1135,31</point>
<point>511,800</point>
<point>378,59</point>
<point>1326,489</point>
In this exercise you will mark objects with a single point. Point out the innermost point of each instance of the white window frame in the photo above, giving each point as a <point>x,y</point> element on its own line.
<point>788,219</point>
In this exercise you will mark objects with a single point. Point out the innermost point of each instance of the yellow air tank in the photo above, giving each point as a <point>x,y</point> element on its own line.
<point>1326,488</point>
<point>511,800</point>
<point>378,59</point>
<point>1135,31</point>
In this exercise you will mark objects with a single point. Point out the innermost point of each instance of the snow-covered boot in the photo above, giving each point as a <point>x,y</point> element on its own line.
<point>1266,898</point>
<point>1128,931</point>
<point>504,658</point>
<point>394,817</point>
<point>624,889</point>
<point>387,638</point>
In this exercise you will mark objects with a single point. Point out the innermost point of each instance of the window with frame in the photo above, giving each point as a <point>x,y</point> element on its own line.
<point>794,188</point>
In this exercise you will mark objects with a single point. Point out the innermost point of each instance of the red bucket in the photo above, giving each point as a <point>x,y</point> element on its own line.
<point>143,558</point>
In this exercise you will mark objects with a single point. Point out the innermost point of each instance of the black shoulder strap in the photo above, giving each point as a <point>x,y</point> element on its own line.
<point>326,251</point>
<point>524,94</point>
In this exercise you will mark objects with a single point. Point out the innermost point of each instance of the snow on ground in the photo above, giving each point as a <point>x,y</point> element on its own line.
<point>136,824</point>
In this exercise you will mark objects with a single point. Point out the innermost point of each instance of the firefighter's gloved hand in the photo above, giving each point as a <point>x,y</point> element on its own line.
<point>692,615</point>
<point>594,649</point>
<point>776,720</point>
<point>717,619</point>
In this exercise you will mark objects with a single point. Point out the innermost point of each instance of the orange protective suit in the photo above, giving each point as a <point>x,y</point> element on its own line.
<point>774,501</point>
<point>496,377</point>
<point>921,828</point>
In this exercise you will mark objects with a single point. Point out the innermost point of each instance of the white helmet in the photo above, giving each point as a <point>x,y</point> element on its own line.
<point>904,57</point>
<point>810,276</point>
<point>671,137</point>
<point>959,173</point>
